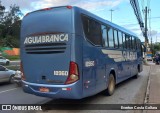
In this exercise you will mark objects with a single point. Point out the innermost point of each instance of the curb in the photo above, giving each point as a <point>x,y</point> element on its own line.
<point>147,92</point>
<point>146,99</point>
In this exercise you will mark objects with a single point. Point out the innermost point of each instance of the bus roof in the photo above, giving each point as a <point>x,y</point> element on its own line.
<point>93,16</point>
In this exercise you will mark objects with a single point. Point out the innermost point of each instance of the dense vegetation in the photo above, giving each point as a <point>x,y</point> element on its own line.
<point>155,47</point>
<point>10,23</point>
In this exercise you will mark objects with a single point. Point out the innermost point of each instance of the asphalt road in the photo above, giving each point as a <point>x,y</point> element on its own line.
<point>12,94</point>
<point>130,91</point>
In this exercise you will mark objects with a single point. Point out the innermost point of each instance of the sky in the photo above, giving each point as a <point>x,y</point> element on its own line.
<point>122,13</point>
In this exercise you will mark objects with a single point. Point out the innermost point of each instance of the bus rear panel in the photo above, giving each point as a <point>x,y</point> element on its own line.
<point>49,65</point>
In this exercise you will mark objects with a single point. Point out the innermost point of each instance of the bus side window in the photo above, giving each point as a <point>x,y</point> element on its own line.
<point>92,30</point>
<point>135,43</point>
<point>127,41</point>
<point>116,45</point>
<point>130,42</point>
<point>110,37</point>
<point>120,39</point>
<point>124,42</point>
<point>141,48</point>
<point>104,36</point>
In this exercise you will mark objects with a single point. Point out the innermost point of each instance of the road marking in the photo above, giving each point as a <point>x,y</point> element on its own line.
<point>7,90</point>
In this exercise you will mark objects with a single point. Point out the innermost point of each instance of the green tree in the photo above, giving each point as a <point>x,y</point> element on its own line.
<point>2,9</point>
<point>10,26</point>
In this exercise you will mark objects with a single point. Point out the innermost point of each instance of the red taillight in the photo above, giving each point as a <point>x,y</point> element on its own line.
<point>73,73</point>
<point>69,7</point>
<point>21,69</point>
<point>73,68</point>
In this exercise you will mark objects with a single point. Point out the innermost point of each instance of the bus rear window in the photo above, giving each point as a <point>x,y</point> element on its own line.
<point>48,21</point>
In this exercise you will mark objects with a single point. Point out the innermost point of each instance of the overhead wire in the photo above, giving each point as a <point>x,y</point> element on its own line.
<point>136,8</point>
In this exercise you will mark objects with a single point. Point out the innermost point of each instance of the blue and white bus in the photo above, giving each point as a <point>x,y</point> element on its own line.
<point>68,52</point>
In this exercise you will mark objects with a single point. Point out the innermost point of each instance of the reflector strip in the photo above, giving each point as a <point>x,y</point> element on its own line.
<point>67,89</point>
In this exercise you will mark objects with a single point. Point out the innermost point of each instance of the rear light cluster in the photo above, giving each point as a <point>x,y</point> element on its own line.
<point>22,71</point>
<point>73,73</point>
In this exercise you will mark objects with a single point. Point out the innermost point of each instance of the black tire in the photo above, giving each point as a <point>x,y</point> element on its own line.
<point>7,63</point>
<point>11,79</point>
<point>111,85</point>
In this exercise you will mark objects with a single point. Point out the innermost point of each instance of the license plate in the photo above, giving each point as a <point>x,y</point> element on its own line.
<point>43,89</point>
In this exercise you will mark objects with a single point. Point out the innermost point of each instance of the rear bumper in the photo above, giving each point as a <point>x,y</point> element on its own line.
<point>55,91</point>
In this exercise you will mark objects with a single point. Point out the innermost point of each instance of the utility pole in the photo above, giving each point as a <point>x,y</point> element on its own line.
<point>146,29</point>
<point>151,46</point>
<point>111,13</point>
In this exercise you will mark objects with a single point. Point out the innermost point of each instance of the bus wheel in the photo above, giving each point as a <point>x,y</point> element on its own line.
<point>111,85</point>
